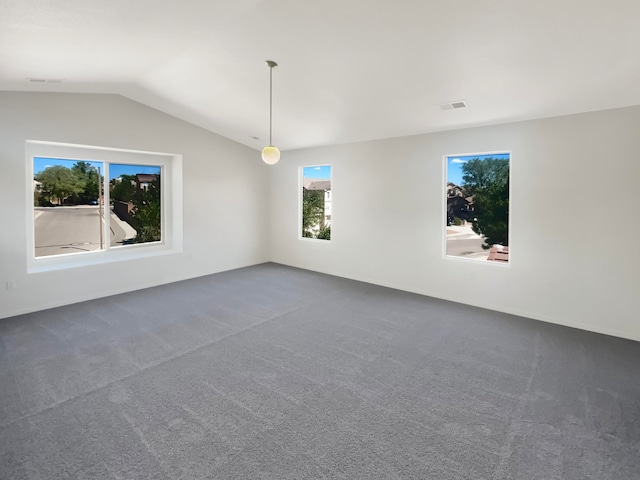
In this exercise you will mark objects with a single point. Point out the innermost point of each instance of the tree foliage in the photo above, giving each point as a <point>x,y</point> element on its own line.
<point>59,182</point>
<point>146,213</point>
<point>325,232</point>
<point>123,190</point>
<point>487,180</point>
<point>89,176</point>
<point>312,212</point>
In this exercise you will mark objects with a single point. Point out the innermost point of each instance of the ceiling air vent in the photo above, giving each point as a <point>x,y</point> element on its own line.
<point>45,80</point>
<point>454,105</point>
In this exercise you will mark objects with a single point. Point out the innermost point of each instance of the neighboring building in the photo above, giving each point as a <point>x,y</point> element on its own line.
<point>324,185</point>
<point>458,203</point>
<point>144,179</point>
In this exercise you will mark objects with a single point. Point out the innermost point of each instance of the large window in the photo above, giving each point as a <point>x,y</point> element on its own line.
<point>315,202</point>
<point>97,201</point>
<point>477,206</point>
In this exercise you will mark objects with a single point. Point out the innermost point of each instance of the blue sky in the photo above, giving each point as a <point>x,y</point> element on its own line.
<point>455,162</point>
<point>322,171</point>
<point>115,170</point>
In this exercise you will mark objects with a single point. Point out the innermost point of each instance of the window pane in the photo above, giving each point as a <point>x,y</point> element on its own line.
<point>136,200</point>
<point>67,206</point>
<point>477,199</point>
<point>316,202</point>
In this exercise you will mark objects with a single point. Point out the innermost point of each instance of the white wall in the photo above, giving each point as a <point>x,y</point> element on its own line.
<point>574,232</point>
<point>225,196</point>
<point>574,226</point>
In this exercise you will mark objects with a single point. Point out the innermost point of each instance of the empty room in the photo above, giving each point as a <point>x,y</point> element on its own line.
<point>267,239</point>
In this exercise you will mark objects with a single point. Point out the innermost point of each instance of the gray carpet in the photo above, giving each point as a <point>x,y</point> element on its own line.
<point>271,372</point>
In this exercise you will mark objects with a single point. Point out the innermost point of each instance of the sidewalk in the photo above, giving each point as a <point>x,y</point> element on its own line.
<point>129,231</point>
<point>462,230</point>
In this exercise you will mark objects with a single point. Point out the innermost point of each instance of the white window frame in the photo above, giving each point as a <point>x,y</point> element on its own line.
<point>300,186</point>
<point>171,204</point>
<point>444,208</point>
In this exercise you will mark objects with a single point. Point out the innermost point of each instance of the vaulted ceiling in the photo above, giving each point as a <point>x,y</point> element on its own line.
<point>349,70</point>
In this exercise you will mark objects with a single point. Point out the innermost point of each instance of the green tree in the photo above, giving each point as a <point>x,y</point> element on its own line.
<point>325,232</point>
<point>487,180</point>
<point>59,182</point>
<point>146,213</point>
<point>123,190</point>
<point>88,174</point>
<point>312,211</point>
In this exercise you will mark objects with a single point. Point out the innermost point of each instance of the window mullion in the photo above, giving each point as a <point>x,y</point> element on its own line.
<point>106,208</point>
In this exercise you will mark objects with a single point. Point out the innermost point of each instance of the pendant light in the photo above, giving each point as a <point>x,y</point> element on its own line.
<point>270,154</point>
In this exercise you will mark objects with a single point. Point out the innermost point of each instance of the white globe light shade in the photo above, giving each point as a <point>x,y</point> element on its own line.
<point>270,155</point>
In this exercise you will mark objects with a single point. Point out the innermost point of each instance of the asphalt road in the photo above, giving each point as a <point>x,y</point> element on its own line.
<point>71,229</point>
<point>466,247</point>
<point>462,241</point>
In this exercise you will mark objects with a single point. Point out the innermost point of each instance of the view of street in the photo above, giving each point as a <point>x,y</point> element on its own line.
<point>477,196</point>
<point>462,241</point>
<point>71,229</point>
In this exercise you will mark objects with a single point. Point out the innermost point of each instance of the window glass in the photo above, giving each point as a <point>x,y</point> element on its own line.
<point>316,202</point>
<point>135,194</point>
<point>70,212</point>
<point>68,206</point>
<point>477,206</point>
